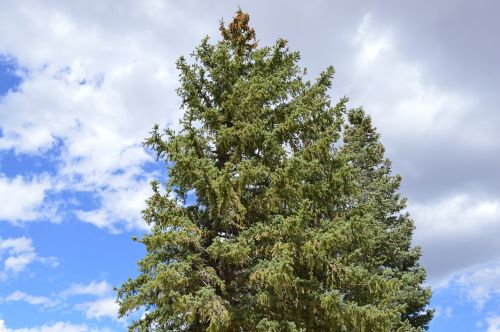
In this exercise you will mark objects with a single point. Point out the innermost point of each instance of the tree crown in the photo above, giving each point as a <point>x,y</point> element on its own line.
<point>280,212</point>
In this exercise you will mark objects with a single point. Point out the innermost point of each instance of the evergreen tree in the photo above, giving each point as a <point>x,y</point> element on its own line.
<point>296,224</point>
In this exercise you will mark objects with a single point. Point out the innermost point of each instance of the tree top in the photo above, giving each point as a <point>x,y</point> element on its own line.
<point>239,34</point>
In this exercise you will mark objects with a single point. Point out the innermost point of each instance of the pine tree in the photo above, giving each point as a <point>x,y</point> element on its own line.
<point>296,224</point>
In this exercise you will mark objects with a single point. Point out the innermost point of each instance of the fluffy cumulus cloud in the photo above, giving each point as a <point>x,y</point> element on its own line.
<point>103,303</point>
<point>23,198</point>
<point>481,285</point>
<point>16,254</point>
<point>399,93</point>
<point>457,233</point>
<point>94,90</point>
<point>106,307</point>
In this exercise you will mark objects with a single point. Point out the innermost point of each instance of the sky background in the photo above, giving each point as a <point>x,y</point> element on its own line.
<point>83,82</point>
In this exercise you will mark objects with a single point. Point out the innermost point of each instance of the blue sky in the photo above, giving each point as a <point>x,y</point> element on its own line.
<point>82,83</point>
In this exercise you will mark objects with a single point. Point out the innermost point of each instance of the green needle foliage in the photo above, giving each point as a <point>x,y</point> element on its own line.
<point>296,224</point>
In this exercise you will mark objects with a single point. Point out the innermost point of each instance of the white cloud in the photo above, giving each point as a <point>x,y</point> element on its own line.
<point>94,288</point>
<point>101,143</point>
<point>57,327</point>
<point>102,301</point>
<point>399,93</point>
<point>98,96</point>
<point>454,214</point>
<point>456,233</point>
<point>371,45</point>
<point>493,324</point>
<point>106,307</point>
<point>17,253</point>
<point>103,306</point>
<point>40,301</point>
<point>22,198</point>
<point>481,284</point>
<point>121,202</point>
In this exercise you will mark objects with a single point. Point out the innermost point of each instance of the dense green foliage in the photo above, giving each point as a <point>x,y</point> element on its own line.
<point>296,224</point>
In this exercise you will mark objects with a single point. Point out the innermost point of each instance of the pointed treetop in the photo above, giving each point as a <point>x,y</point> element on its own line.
<point>239,34</point>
